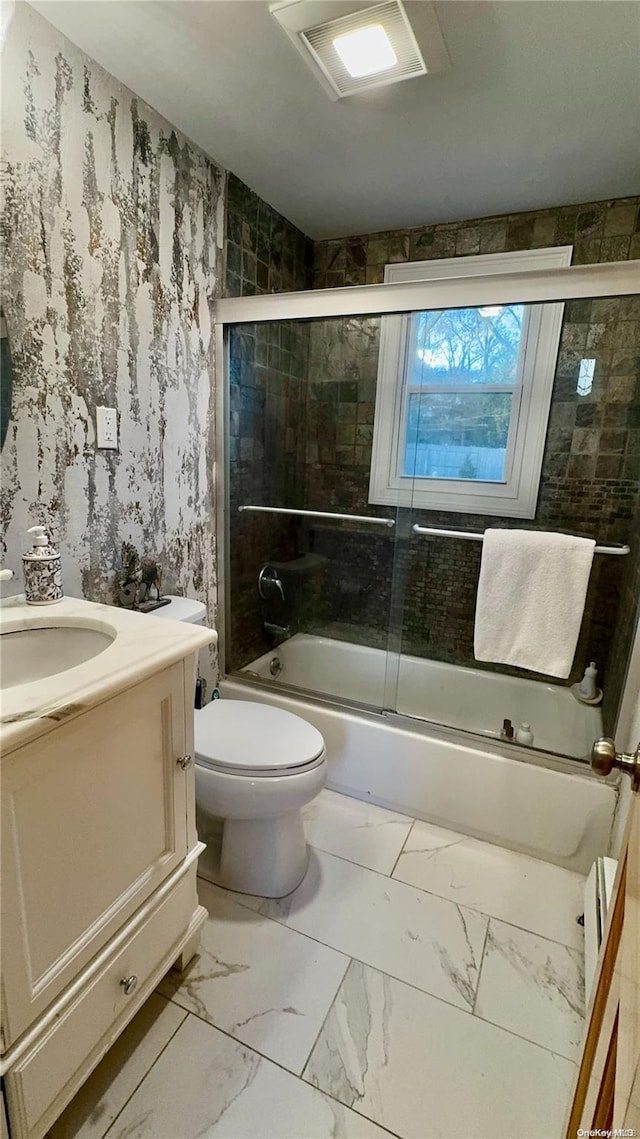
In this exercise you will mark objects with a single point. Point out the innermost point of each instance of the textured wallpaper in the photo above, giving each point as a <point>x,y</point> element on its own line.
<point>112,230</point>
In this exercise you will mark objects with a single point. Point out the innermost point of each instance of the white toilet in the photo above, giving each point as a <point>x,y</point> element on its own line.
<point>256,767</point>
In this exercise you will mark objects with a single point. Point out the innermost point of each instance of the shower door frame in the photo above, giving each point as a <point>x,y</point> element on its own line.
<point>574,282</point>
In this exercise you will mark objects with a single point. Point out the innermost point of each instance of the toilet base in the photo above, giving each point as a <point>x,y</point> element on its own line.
<point>268,857</point>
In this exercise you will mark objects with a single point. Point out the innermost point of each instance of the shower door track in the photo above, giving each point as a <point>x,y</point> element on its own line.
<point>530,286</point>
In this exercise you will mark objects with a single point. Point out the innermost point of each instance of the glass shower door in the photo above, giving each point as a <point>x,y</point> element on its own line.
<point>310,558</point>
<point>367,457</point>
<point>458,402</point>
<point>469,380</point>
<point>464,393</point>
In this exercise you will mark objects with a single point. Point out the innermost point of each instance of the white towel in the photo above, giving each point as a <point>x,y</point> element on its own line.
<point>530,600</point>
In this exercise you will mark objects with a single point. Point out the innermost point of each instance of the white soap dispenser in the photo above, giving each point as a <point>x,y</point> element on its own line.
<point>42,572</point>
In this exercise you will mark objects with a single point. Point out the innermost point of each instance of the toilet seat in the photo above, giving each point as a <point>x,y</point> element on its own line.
<point>244,738</point>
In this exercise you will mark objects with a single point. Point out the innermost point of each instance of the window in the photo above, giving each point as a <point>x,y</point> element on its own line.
<point>463,395</point>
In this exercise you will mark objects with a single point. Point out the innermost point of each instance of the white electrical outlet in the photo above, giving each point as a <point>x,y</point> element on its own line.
<point>107,427</point>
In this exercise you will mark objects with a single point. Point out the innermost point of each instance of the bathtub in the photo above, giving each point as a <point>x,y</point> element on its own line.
<point>551,808</point>
<point>467,698</point>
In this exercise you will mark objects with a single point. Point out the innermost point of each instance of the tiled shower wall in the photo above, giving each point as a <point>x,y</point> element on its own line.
<point>112,233</point>
<point>591,471</point>
<point>268,372</point>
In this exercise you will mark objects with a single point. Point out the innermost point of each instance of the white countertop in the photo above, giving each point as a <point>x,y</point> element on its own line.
<point>142,645</point>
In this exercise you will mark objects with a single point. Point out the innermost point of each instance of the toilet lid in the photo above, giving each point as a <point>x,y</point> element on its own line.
<point>248,736</point>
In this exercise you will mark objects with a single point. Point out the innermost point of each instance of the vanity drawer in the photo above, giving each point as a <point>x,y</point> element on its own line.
<point>42,1082</point>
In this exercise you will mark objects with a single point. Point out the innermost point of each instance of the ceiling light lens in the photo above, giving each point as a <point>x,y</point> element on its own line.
<point>366,51</point>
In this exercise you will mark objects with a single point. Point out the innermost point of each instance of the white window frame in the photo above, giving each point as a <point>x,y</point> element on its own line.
<point>517,496</point>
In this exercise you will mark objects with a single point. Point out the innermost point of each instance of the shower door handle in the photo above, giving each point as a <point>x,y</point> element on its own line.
<point>604,758</point>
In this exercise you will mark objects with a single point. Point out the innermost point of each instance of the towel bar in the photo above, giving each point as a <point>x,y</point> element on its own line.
<point>470,537</point>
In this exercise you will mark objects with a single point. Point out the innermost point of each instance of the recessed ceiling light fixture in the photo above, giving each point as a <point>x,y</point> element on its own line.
<point>366,52</point>
<point>353,46</point>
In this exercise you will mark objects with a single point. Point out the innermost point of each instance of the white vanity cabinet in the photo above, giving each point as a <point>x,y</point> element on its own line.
<point>99,857</point>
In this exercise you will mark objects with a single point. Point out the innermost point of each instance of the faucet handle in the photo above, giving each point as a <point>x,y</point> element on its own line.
<point>269,583</point>
<point>6,575</point>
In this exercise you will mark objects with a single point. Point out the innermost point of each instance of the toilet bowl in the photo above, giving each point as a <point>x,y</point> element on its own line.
<point>255,769</point>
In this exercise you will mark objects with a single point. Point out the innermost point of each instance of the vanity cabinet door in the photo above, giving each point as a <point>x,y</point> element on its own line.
<point>94,817</point>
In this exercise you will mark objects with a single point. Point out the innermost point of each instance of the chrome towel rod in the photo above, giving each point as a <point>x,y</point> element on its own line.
<point>479,537</point>
<point>318,514</point>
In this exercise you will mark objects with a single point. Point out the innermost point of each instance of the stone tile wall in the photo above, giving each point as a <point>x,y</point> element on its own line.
<point>268,366</point>
<point>303,400</point>
<point>591,472</point>
<point>265,253</point>
<point>598,231</point>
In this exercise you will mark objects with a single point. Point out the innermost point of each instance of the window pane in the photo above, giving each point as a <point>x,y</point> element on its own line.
<point>457,436</point>
<point>468,345</point>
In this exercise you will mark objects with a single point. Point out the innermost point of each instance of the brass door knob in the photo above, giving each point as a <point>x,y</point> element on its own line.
<point>604,758</point>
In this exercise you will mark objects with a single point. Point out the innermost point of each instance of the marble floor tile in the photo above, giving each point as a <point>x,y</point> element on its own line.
<point>423,1069</point>
<point>533,987</point>
<point>358,831</point>
<point>207,1086</point>
<point>104,1094</point>
<point>523,891</point>
<point>249,901</point>
<point>263,983</point>
<point>430,942</point>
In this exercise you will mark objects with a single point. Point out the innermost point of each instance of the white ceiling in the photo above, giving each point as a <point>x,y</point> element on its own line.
<point>541,107</point>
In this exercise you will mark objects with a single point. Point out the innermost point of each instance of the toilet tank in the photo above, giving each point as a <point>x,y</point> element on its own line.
<point>194,613</point>
<point>183,609</point>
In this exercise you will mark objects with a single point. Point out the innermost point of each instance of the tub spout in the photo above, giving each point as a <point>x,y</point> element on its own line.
<point>279,632</point>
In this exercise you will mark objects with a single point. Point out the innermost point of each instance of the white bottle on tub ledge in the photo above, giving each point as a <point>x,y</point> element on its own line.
<point>524,735</point>
<point>587,689</point>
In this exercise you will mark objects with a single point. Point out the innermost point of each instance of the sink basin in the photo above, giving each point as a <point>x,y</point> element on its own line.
<point>35,653</point>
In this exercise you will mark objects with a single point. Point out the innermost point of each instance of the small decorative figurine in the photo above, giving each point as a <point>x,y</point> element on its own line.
<point>151,577</point>
<point>129,583</point>
<point>139,577</point>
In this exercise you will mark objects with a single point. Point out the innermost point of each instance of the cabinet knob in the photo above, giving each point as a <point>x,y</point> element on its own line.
<point>184,762</point>
<point>129,984</point>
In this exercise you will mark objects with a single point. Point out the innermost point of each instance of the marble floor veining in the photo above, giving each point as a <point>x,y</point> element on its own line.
<point>421,1068</point>
<point>500,883</point>
<point>428,941</point>
<point>417,983</point>
<point>261,982</point>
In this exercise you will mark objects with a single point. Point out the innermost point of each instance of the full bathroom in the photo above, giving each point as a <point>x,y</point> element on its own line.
<point>320,569</point>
